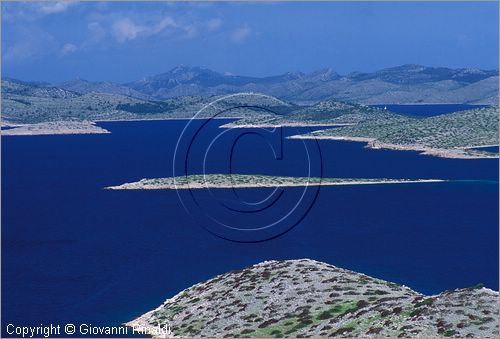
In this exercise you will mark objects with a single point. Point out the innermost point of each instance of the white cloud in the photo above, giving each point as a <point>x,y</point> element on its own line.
<point>51,7</point>
<point>97,33</point>
<point>166,22</point>
<point>241,34</point>
<point>18,52</point>
<point>105,28</point>
<point>34,43</point>
<point>126,29</point>
<point>32,11</point>
<point>190,32</point>
<point>214,24</point>
<point>68,48</point>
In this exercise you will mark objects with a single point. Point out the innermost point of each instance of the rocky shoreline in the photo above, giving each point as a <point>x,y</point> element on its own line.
<point>452,153</point>
<point>215,181</point>
<point>285,124</point>
<point>307,298</point>
<point>54,128</point>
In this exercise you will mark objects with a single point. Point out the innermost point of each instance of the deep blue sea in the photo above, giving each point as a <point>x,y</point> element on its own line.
<point>75,253</point>
<point>491,149</point>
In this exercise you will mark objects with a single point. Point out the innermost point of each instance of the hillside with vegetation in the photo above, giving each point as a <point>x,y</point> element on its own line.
<point>330,112</point>
<point>306,298</point>
<point>32,103</point>
<point>454,134</point>
<point>401,84</point>
<point>449,135</point>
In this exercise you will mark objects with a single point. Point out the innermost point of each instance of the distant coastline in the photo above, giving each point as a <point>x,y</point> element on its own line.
<point>285,124</point>
<point>456,135</point>
<point>456,153</point>
<point>90,127</point>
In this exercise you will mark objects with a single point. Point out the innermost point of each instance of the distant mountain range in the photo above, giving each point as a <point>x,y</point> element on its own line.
<point>398,85</point>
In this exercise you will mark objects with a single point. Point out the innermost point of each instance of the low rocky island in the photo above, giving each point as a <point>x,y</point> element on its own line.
<point>200,181</point>
<point>54,128</point>
<point>306,298</point>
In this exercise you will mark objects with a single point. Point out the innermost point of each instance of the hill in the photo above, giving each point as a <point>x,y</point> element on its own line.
<point>399,85</point>
<point>304,298</point>
<point>82,86</point>
<point>402,84</point>
<point>450,135</point>
<point>30,103</point>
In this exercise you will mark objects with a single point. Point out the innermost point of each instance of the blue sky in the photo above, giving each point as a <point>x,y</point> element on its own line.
<point>125,41</point>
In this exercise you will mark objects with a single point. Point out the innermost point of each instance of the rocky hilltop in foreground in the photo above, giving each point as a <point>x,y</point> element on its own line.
<point>306,298</point>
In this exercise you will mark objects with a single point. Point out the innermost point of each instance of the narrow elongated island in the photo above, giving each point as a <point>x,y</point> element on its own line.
<point>53,128</point>
<point>307,298</point>
<point>199,181</point>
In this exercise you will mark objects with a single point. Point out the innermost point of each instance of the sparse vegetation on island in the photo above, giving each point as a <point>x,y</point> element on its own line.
<point>451,135</point>
<point>307,298</point>
<point>55,127</point>
<point>28,103</point>
<point>199,181</point>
